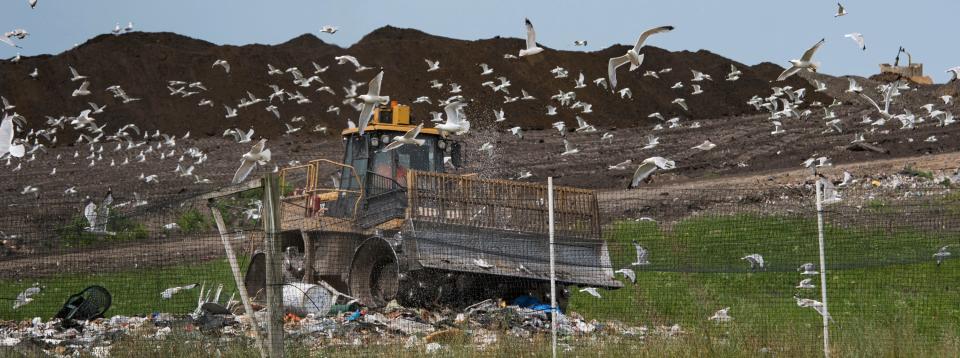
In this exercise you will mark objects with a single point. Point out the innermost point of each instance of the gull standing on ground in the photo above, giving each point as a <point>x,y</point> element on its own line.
<point>806,284</point>
<point>642,254</point>
<point>370,100</point>
<point>257,155</point>
<point>942,254</point>
<point>632,56</point>
<point>721,315</point>
<point>531,44</point>
<point>808,269</point>
<point>705,146</point>
<point>804,63</point>
<point>648,166</point>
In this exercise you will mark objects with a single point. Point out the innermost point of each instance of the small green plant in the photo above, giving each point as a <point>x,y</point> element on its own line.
<point>191,221</point>
<point>946,182</point>
<point>909,170</point>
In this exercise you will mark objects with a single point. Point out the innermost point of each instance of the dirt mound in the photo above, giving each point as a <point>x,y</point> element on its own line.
<point>142,63</point>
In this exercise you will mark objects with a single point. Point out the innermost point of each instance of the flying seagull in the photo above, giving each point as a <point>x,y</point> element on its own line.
<point>648,166</point>
<point>168,293</point>
<point>804,63</point>
<point>257,155</point>
<point>628,273</point>
<point>222,63</point>
<point>84,90</point>
<point>370,100</point>
<point>329,29</point>
<point>755,260</point>
<point>531,44</point>
<point>75,75</point>
<point>407,138</point>
<point>632,56</point>
<point>840,10</point>
<point>592,291</point>
<point>26,296</point>
<point>858,38</point>
<point>7,144</point>
<point>432,65</point>
<point>455,123</point>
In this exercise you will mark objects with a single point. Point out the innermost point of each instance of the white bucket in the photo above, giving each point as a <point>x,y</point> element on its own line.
<point>306,298</point>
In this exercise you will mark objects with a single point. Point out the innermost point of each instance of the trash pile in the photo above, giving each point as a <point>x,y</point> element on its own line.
<point>482,324</point>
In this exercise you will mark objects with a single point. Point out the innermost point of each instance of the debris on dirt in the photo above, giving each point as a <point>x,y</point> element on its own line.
<point>482,325</point>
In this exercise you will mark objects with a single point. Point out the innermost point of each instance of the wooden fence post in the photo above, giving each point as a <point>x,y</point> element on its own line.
<point>273,248</point>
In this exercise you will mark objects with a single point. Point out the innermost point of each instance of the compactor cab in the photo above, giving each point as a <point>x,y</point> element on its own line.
<point>377,173</point>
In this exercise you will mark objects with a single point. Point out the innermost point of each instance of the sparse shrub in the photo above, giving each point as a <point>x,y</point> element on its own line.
<point>909,170</point>
<point>191,221</point>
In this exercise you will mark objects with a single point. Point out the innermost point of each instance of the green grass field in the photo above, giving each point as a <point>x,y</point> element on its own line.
<point>135,292</point>
<point>887,296</point>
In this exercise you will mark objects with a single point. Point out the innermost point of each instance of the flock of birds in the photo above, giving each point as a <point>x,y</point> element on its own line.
<point>129,144</point>
<point>785,103</point>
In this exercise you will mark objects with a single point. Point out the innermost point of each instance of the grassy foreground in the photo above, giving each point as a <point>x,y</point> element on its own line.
<point>135,292</point>
<point>887,296</point>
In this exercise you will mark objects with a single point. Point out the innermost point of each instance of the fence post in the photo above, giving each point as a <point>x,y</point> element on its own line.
<point>823,270</point>
<point>237,278</point>
<point>273,247</point>
<point>553,269</point>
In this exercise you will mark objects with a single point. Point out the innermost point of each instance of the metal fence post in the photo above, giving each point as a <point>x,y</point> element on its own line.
<point>273,248</point>
<point>553,269</point>
<point>823,270</point>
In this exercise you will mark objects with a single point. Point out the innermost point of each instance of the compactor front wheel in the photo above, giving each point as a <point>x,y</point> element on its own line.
<point>374,273</point>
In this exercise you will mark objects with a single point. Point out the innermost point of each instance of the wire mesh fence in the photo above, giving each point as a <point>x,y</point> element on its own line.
<point>462,268</point>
